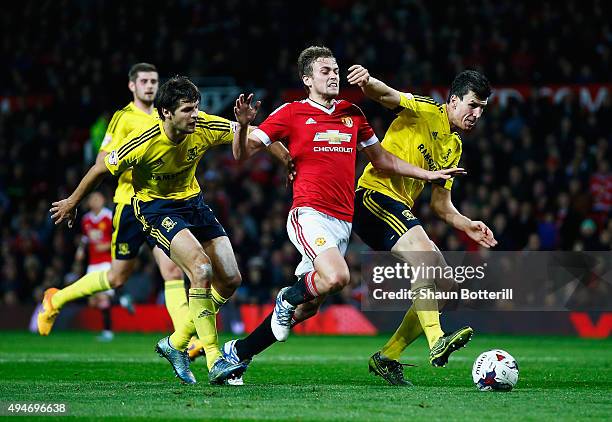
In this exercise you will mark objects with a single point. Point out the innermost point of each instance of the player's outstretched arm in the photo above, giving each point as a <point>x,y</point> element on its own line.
<point>66,208</point>
<point>372,87</point>
<point>442,205</point>
<point>245,145</point>
<point>382,160</point>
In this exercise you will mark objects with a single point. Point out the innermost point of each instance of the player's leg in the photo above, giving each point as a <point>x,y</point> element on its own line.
<point>323,269</point>
<point>174,288</point>
<point>380,222</point>
<point>427,308</point>
<point>126,240</point>
<point>91,283</point>
<point>103,302</point>
<point>190,256</point>
<point>322,241</point>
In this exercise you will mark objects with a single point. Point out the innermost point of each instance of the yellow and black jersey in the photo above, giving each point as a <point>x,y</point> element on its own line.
<point>124,122</point>
<point>163,169</point>
<point>421,136</point>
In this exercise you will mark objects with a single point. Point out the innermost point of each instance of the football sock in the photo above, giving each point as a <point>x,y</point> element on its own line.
<point>429,317</point>
<point>182,334</point>
<point>85,286</point>
<point>202,312</point>
<point>176,302</point>
<point>260,339</point>
<point>218,300</point>
<point>408,331</point>
<point>304,290</point>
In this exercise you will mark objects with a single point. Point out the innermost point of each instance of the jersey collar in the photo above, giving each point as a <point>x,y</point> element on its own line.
<point>445,119</point>
<point>320,107</point>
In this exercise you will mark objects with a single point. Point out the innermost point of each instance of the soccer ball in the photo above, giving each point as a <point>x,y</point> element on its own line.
<point>495,370</point>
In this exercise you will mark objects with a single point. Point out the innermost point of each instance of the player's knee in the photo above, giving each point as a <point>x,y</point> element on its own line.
<point>230,281</point>
<point>171,272</point>
<point>337,280</point>
<point>201,272</point>
<point>117,277</point>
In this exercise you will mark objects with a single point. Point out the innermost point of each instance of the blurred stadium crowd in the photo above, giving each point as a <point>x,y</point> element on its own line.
<point>538,173</point>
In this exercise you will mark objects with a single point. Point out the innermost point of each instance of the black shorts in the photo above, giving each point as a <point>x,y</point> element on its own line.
<point>128,235</point>
<point>380,220</point>
<point>162,219</point>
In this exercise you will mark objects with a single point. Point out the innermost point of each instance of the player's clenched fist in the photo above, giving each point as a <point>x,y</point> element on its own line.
<point>358,75</point>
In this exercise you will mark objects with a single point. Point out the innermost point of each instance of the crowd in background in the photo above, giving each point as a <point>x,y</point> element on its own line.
<point>538,173</point>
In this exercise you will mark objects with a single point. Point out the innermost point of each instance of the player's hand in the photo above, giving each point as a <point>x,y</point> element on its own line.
<point>244,111</point>
<point>63,210</point>
<point>291,172</point>
<point>445,174</point>
<point>479,232</point>
<point>358,75</point>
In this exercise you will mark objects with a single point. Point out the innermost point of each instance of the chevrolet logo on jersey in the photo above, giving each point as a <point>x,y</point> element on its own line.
<point>332,137</point>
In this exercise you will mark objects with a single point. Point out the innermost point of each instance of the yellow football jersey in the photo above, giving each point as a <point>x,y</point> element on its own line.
<point>162,169</point>
<point>421,136</point>
<point>124,122</point>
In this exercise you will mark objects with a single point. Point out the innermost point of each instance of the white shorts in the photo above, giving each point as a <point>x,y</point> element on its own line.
<point>102,266</point>
<point>313,232</point>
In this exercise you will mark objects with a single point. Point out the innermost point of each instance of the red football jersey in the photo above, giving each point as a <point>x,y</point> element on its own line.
<point>323,143</point>
<point>98,229</point>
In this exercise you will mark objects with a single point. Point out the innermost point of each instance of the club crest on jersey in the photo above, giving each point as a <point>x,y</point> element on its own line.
<point>320,241</point>
<point>348,122</point>
<point>192,153</point>
<point>408,214</point>
<point>168,224</point>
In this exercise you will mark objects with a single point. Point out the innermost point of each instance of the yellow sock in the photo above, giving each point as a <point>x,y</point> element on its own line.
<point>85,286</point>
<point>203,314</point>
<point>429,317</point>
<point>408,331</point>
<point>218,300</point>
<point>182,334</point>
<point>176,302</point>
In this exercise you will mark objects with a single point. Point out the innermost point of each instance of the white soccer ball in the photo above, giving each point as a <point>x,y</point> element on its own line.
<point>495,370</point>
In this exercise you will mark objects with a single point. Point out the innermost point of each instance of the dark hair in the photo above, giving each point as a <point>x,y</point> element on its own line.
<point>308,56</point>
<point>470,80</point>
<point>173,91</point>
<point>140,67</point>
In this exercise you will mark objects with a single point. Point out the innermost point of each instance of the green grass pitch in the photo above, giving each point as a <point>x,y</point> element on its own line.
<point>307,378</point>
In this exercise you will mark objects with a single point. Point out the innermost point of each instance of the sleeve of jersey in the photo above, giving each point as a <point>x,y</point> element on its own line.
<point>407,104</point>
<point>454,162</point>
<point>366,135</point>
<point>276,126</point>
<point>127,154</point>
<point>111,130</point>
<point>219,130</point>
